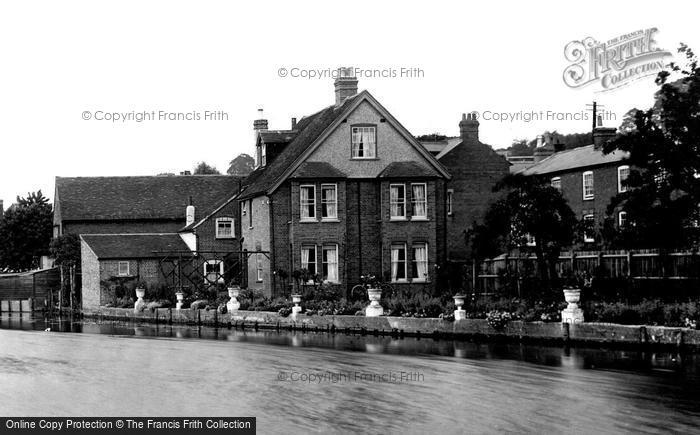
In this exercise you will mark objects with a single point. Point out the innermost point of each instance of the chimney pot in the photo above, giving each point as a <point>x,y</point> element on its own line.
<point>189,215</point>
<point>294,123</point>
<point>345,85</point>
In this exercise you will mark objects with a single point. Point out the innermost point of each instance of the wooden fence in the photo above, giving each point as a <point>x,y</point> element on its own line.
<point>491,275</point>
<point>37,285</point>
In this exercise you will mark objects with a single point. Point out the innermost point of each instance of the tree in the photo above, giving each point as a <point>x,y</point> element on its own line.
<point>530,211</point>
<point>203,168</point>
<point>662,201</point>
<point>65,249</point>
<point>241,166</point>
<point>25,232</point>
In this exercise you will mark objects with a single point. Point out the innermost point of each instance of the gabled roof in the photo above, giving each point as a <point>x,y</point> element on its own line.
<point>132,246</point>
<point>142,197</point>
<point>312,131</point>
<point>577,158</point>
<point>407,170</point>
<point>209,212</point>
<point>317,170</point>
<point>309,129</point>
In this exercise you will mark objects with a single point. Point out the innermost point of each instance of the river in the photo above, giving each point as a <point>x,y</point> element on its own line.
<point>300,382</point>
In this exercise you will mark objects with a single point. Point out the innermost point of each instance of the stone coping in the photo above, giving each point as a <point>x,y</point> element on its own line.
<point>603,333</point>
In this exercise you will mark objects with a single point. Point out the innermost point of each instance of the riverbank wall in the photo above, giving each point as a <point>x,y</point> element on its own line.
<point>583,333</point>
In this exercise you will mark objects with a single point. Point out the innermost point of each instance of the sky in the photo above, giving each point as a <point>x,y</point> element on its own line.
<point>69,60</point>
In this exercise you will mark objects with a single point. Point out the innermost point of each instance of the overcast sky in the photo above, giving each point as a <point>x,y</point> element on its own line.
<point>60,59</point>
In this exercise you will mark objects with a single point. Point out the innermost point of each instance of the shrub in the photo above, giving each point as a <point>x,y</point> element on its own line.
<point>284,312</point>
<point>199,304</point>
<point>498,319</point>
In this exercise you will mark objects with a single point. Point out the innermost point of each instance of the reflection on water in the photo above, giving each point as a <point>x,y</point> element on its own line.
<point>318,382</point>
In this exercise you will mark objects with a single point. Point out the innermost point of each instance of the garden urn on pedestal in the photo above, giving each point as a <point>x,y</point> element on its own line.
<point>572,313</point>
<point>140,304</point>
<point>180,298</point>
<point>233,305</point>
<point>460,314</point>
<point>374,309</point>
<point>296,309</point>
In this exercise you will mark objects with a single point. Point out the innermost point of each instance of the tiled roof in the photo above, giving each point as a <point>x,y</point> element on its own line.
<point>309,129</point>
<point>581,157</point>
<point>406,169</point>
<point>277,136</point>
<point>129,246</point>
<point>317,170</point>
<point>145,197</point>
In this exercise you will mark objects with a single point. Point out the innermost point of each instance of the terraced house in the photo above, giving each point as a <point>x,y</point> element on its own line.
<point>345,192</point>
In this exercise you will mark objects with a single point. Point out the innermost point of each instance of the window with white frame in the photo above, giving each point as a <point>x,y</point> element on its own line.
<point>623,172</point>
<point>224,228</point>
<point>419,201</point>
<point>307,195</point>
<point>329,201</point>
<point>450,197</point>
<point>329,263</point>
<point>263,155</point>
<point>123,268</point>
<point>213,271</point>
<point>308,258</point>
<point>397,201</point>
<point>364,142</point>
<point>556,183</point>
<point>588,192</point>
<point>419,266</point>
<point>259,267</point>
<point>589,229</point>
<point>398,263</point>
<point>622,219</point>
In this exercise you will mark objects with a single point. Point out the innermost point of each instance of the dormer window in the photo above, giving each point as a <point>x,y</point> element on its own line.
<point>364,142</point>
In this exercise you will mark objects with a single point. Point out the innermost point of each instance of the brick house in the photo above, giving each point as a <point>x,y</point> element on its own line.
<point>588,179</point>
<point>346,192</point>
<point>109,261</point>
<point>475,168</point>
<point>143,204</point>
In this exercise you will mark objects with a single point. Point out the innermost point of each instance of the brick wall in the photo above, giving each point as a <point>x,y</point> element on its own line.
<point>206,232</point>
<point>605,188</point>
<point>475,170</point>
<point>90,269</point>
<point>255,229</point>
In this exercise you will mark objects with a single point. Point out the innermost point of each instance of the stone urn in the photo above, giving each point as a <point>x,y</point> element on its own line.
<point>296,309</point>
<point>180,298</point>
<point>233,305</point>
<point>374,309</point>
<point>140,304</point>
<point>460,314</point>
<point>572,313</point>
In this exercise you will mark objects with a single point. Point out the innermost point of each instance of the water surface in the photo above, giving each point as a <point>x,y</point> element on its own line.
<point>296,382</point>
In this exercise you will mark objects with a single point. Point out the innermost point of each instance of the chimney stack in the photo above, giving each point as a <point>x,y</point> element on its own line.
<point>294,123</point>
<point>539,140</point>
<point>345,85</point>
<point>260,124</point>
<point>189,214</point>
<point>2,210</point>
<point>469,128</point>
<point>602,135</point>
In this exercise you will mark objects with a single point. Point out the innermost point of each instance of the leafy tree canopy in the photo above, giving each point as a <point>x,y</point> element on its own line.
<point>241,166</point>
<point>203,168</point>
<point>663,199</point>
<point>25,232</point>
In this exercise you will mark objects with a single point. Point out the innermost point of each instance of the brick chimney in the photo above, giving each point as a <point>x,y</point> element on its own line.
<point>260,124</point>
<point>345,85</point>
<point>469,128</point>
<point>601,135</point>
